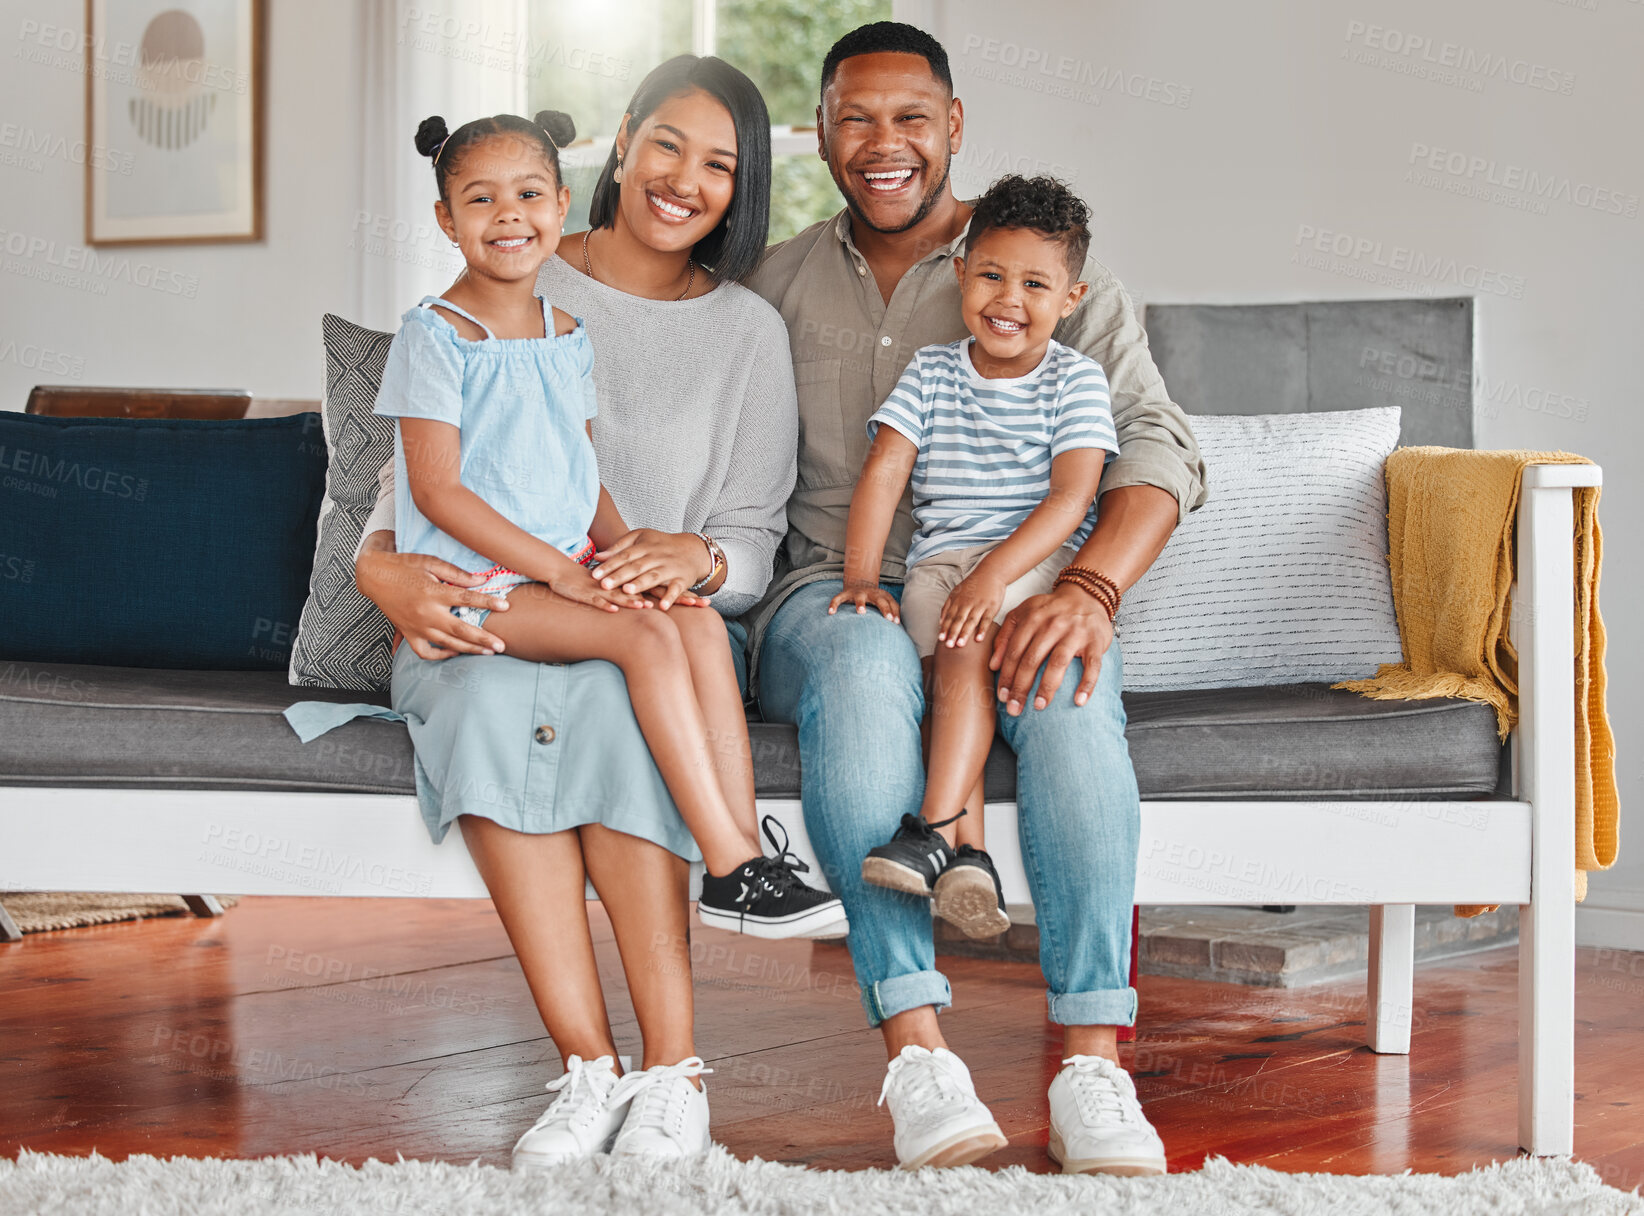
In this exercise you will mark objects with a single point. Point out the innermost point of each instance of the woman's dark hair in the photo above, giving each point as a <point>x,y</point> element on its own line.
<point>1039,204</point>
<point>552,130</point>
<point>733,249</point>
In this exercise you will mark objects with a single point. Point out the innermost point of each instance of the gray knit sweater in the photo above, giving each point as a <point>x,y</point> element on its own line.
<point>698,425</point>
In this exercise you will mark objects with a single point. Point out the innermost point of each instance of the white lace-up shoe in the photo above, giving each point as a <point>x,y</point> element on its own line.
<point>939,1119</point>
<point>1096,1123</point>
<point>580,1122</point>
<point>667,1115</point>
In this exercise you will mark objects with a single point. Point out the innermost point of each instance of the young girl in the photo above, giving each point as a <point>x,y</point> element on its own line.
<point>496,472</point>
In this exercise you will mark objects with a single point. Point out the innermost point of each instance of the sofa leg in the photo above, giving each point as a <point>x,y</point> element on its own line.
<point>1392,967</point>
<point>9,932</point>
<point>203,905</point>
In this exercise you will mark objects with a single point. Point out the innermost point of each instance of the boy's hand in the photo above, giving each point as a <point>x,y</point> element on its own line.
<point>580,586</point>
<point>864,594</point>
<point>970,609</point>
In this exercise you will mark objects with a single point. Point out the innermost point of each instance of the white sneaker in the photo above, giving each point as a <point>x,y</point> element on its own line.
<point>939,1119</point>
<point>667,1115</point>
<point>580,1122</point>
<point>1096,1123</point>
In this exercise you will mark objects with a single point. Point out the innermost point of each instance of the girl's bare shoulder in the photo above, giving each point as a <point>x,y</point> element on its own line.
<point>564,322</point>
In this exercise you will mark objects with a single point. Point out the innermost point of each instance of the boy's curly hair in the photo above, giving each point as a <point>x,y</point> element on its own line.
<point>1040,204</point>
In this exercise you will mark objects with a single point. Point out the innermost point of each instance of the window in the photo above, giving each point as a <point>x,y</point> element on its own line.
<point>587,58</point>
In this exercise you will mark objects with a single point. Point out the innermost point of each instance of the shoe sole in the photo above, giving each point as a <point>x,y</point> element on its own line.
<point>1122,1167</point>
<point>824,922</point>
<point>962,1149</point>
<point>966,899</point>
<point>883,872</point>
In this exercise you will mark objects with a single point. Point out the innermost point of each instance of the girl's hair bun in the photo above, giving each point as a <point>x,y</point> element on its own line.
<point>431,133</point>
<point>559,126</point>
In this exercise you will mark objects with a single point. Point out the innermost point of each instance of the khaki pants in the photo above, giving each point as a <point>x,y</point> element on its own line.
<point>928,584</point>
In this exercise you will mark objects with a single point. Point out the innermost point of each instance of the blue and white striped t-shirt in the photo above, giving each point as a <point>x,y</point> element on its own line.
<point>985,446</point>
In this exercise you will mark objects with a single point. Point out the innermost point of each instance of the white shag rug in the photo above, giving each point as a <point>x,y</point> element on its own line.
<point>720,1184</point>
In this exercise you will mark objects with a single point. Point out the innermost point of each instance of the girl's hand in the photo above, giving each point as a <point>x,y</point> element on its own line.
<point>864,594</point>
<point>416,595</point>
<point>645,559</point>
<point>579,585</point>
<point>970,608</point>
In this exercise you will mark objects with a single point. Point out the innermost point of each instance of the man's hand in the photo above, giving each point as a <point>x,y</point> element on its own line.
<point>1050,630</point>
<point>416,594</point>
<point>970,609</point>
<point>862,595</point>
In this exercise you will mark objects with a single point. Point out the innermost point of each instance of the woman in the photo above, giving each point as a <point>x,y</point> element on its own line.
<point>696,436</point>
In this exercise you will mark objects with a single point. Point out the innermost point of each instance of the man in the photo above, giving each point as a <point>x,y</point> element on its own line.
<point>861,292</point>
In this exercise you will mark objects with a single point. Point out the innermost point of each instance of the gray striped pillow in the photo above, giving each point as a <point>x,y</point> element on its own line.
<point>1281,577</point>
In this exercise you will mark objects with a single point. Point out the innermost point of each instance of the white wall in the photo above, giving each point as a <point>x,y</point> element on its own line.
<point>1276,133</point>
<point>254,317</point>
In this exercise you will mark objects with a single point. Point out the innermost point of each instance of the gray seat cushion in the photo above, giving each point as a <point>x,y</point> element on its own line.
<point>121,726</point>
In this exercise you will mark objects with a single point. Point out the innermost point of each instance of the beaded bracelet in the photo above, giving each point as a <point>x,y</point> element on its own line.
<point>1095,584</point>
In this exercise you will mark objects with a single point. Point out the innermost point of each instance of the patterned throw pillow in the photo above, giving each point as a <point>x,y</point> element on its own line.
<point>1281,577</point>
<point>342,640</point>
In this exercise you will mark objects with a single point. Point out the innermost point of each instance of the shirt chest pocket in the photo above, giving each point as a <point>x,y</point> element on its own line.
<point>828,454</point>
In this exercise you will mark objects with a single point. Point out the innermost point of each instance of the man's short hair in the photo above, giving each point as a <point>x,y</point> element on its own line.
<point>1039,204</point>
<point>888,36</point>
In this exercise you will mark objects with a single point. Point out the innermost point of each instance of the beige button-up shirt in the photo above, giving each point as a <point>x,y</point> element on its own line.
<point>850,347</point>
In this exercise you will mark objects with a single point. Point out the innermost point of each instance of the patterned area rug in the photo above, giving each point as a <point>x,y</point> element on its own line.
<point>720,1184</point>
<point>42,911</point>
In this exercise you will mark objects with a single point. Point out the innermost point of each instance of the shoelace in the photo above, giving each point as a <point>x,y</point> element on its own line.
<point>915,826</point>
<point>1098,1090</point>
<point>662,1106</point>
<point>580,1100</point>
<point>927,1080</point>
<point>782,871</point>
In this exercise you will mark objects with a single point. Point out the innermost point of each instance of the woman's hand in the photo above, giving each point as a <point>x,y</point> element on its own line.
<point>1050,630</point>
<point>970,608</point>
<point>646,560</point>
<point>864,594</point>
<point>416,595</point>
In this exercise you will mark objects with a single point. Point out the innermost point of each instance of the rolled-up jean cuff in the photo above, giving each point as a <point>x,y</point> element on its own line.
<point>901,993</point>
<point>1108,1007</point>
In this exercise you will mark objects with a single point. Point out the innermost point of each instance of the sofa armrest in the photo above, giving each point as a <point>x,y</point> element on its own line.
<point>1562,476</point>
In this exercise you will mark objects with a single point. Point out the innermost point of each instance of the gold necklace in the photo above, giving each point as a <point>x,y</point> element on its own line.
<point>589,267</point>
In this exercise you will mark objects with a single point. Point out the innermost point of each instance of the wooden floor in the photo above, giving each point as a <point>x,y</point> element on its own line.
<point>366,1028</point>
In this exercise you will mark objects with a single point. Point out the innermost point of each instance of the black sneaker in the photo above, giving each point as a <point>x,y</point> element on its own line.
<point>970,896</point>
<point>912,859</point>
<point>764,897</point>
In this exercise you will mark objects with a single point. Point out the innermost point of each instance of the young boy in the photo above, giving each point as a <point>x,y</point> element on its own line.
<point>1004,436</point>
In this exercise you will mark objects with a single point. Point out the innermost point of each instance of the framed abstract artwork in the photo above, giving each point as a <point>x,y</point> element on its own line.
<point>177,86</point>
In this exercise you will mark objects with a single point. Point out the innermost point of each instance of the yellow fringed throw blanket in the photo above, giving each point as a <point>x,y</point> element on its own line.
<point>1450,525</point>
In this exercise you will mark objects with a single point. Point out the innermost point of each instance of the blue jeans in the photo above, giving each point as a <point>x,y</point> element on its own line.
<point>852,685</point>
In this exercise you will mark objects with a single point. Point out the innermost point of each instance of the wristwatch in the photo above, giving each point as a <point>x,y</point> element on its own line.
<point>718,556</point>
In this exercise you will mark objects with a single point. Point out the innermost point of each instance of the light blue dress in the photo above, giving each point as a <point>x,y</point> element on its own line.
<point>522,405</point>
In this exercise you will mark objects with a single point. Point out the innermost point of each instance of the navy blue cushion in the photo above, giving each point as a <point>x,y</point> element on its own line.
<point>156,543</point>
